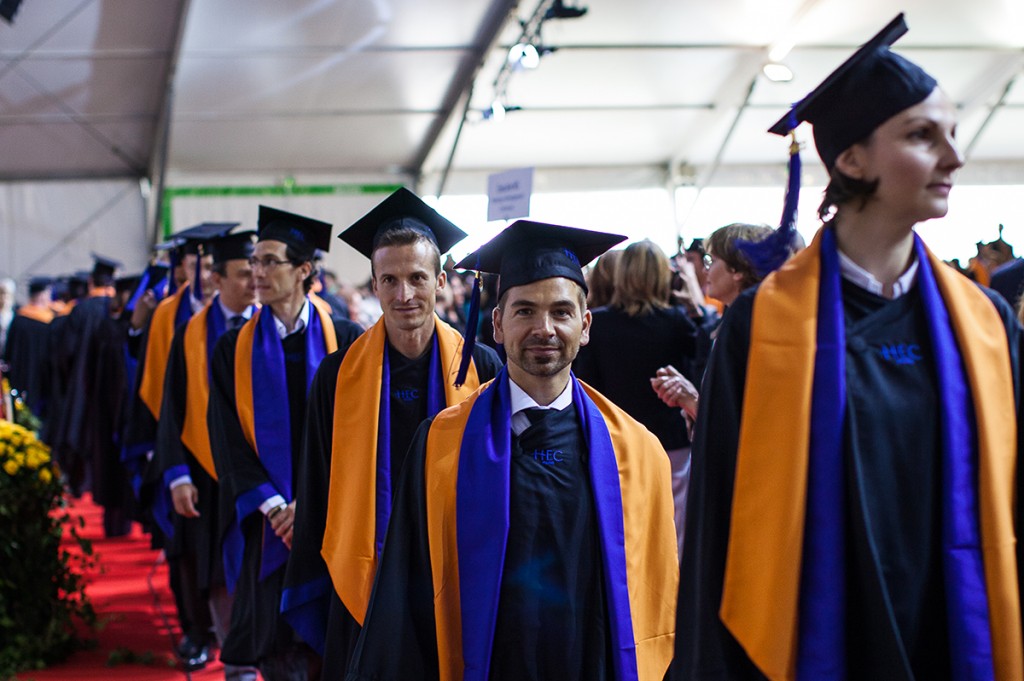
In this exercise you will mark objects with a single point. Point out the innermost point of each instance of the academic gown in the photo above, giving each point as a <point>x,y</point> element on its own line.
<point>26,354</point>
<point>200,535</point>
<point>97,387</point>
<point>895,624</point>
<point>552,619</point>
<point>306,566</point>
<point>662,336</point>
<point>257,630</point>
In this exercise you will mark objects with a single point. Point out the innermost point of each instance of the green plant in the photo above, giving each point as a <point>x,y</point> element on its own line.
<point>42,592</point>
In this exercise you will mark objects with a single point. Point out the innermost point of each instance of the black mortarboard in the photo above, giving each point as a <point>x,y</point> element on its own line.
<point>869,88</point>
<point>238,246</point>
<point>401,209</point>
<point>37,285</point>
<point>526,251</point>
<point>188,240</point>
<point>103,267</point>
<point>303,234</point>
<point>127,283</point>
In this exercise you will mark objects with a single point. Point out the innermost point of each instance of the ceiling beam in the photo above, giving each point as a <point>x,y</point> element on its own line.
<point>160,145</point>
<point>465,75</point>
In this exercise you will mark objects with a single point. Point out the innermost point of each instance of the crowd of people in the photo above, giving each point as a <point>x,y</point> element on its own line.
<point>753,459</point>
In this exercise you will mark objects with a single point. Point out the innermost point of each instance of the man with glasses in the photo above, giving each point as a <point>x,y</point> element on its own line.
<point>260,380</point>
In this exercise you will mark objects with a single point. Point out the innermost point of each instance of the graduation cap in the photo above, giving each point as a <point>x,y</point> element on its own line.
<point>103,268</point>
<point>127,283</point>
<point>37,285</point>
<point>151,280</point>
<point>402,209</point>
<point>238,246</point>
<point>869,88</point>
<point>304,235</point>
<point>525,252</point>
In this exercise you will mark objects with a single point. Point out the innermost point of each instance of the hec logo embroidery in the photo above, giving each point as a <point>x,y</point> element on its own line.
<point>548,457</point>
<point>901,353</point>
<point>406,394</point>
<point>572,256</point>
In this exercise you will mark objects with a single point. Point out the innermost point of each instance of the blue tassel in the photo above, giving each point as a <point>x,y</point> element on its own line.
<point>469,339</point>
<point>139,290</point>
<point>197,284</point>
<point>172,285</point>
<point>767,255</point>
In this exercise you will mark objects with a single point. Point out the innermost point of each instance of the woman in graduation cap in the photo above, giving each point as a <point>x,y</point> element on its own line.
<point>854,487</point>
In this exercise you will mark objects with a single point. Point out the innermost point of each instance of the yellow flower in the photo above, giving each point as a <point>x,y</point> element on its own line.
<point>11,467</point>
<point>45,475</point>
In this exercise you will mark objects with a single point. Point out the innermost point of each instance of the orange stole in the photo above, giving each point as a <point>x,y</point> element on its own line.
<point>760,597</point>
<point>652,565</point>
<point>37,312</point>
<point>158,349</point>
<point>102,292</point>
<point>349,547</point>
<point>243,366</point>
<point>194,434</point>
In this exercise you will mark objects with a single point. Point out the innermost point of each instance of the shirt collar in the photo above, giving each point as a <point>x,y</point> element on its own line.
<point>860,277</point>
<point>228,314</point>
<point>521,401</point>
<point>300,323</point>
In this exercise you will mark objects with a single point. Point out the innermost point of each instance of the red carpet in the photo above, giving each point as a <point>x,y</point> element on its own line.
<point>128,611</point>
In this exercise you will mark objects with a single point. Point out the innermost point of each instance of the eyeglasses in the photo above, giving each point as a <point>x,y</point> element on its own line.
<point>267,264</point>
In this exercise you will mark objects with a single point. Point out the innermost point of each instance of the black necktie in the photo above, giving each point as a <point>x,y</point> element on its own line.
<point>535,414</point>
<point>236,321</point>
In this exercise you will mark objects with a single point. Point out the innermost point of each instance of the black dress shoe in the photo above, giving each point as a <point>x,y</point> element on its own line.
<point>198,661</point>
<point>192,653</point>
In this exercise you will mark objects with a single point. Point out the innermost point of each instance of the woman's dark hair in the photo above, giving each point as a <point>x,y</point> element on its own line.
<point>843,189</point>
<point>722,245</point>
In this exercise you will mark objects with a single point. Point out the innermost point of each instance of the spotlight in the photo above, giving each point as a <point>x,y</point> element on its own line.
<point>777,73</point>
<point>559,11</point>
<point>524,56</point>
<point>8,8</point>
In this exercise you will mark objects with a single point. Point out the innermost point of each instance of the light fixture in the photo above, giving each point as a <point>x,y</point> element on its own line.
<point>497,111</point>
<point>524,56</point>
<point>777,72</point>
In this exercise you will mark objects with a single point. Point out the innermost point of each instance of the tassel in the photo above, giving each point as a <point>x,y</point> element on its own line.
<point>172,285</point>
<point>197,283</point>
<point>767,255</point>
<point>139,290</point>
<point>469,339</point>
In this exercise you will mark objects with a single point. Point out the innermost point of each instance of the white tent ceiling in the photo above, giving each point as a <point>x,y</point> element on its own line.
<point>656,89</point>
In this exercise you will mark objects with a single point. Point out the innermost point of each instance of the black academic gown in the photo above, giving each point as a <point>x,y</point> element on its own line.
<point>895,607</point>
<point>305,565</point>
<point>93,345</point>
<point>27,358</point>
<point>661,337</point>
<point>551,621</point>
<point>257,630</point>
<point>200,536</point>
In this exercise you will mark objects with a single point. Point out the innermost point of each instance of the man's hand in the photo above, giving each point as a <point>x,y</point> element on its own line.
<point>143,309</point>
<point>283,522</point>
<point>185,498</point>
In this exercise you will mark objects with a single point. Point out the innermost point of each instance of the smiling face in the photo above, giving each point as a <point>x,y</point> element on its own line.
<point>542,325</point>
<point>406,281</point>
<point>914,158</point>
